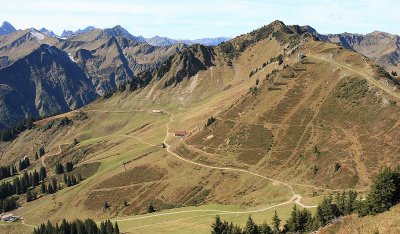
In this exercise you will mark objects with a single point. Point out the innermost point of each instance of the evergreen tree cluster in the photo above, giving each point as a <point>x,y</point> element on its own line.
<point>20,185</point>
<point>384,193</point>
<point>9,133</point>
<point>24,163</point>
<point>219,227</point>
<point>71,180</point>
<point>7,171</point>
<point>60,169</point>
<point>78,227</point>
<point>52,187</point>
<point>300,220</point>
<point>8,204</point>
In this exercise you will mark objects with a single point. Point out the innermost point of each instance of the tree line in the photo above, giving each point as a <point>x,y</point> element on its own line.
<point>11,170</point>
<point>7,171</point>
<point>78,227</point>
<point>9,133</point>
<point>383,194</point>
<point>71,180</point>
<point>20,185</point>
<point>59,169</point>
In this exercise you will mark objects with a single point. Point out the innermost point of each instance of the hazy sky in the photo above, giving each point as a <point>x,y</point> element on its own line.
<point>206,18</point>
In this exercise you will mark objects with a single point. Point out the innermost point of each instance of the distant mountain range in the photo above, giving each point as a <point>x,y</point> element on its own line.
<point>381,47</point>
<point>42,74</point>
<point>68,33</point>
<point>161,41</point>
<point>7,28</point>
<point>64,73</point>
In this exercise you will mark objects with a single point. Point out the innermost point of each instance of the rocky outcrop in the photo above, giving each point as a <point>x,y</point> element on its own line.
<point>45,82</point>
<point>185,64</point>
<point>382,48</point>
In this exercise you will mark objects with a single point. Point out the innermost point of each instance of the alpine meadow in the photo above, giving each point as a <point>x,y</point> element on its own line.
<point>282,129</point>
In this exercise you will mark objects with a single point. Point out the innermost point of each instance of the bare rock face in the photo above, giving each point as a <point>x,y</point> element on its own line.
<point>186,64</point>
<point>113,57</point>
<point>43,83</point>
<point>41,74</point>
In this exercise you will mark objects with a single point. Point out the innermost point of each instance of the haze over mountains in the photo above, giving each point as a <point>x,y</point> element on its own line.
<point>160,41</point>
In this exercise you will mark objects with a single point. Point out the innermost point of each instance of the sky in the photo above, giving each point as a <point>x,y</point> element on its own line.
<point>191,19</point>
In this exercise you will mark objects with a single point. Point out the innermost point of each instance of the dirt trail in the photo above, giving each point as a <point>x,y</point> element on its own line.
<point>296,198</point>
<point>370,79</point>
<point>43,158</point>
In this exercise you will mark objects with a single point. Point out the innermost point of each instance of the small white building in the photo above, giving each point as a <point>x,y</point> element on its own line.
<point>300,56</point>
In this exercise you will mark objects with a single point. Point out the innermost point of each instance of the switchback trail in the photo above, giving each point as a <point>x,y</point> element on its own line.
<point>296,198</point>
<point>42,159</point>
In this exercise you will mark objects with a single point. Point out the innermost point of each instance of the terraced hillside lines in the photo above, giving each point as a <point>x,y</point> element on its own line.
<point>360,166</point>
<point>370,79</point>
<point>314,99</point>
<point>296,198</point>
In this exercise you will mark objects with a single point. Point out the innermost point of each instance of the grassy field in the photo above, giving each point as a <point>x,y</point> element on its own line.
<point>187,219</point>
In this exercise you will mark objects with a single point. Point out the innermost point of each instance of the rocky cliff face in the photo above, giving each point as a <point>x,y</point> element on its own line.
<point>43,75</point>
<point>43,83</point>
<point>186,64</point>
<point>112,57</point>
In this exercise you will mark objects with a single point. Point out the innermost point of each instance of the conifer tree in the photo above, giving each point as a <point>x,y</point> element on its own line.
<point>42,173</point>
<point>217,226</point>
<point>276,223</point>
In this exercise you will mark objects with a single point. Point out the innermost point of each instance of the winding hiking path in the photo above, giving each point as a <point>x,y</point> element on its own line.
<point>43,158</point>
<point>296,198</point>
<point>370,79</point>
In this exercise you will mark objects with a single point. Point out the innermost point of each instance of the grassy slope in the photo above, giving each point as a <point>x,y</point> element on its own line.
<point>298,113</point>
<point>387,222</point>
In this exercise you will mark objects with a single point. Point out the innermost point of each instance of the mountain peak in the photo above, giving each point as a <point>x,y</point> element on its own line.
<point>6,28</point>
<point>118,30</point>
<point>68,33</point>
<point>6,24</point>
<point>277,25</point>
<point>48,32</point>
